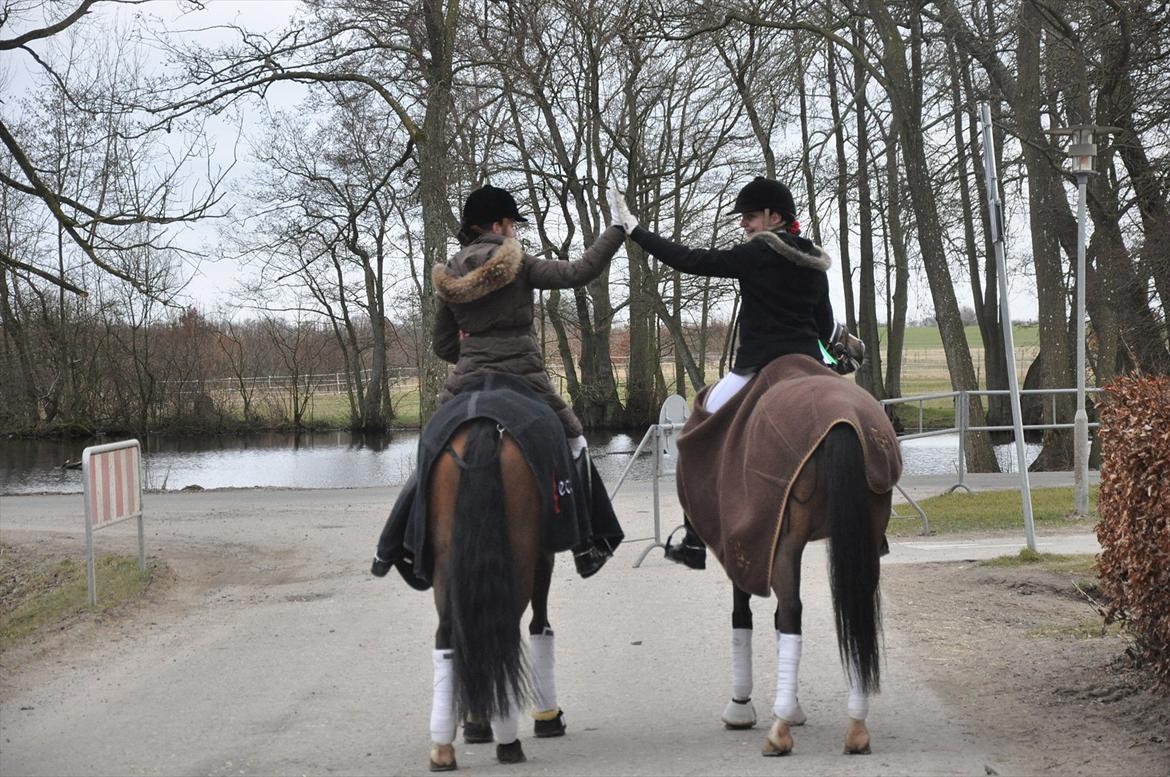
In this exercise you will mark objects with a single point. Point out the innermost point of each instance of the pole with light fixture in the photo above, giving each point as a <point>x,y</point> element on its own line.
<point>995,220</point>
<point>1082,150</point>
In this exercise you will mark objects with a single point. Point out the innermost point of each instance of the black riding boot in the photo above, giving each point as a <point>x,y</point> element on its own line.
<point>591,556</point>
<point>691,552</point>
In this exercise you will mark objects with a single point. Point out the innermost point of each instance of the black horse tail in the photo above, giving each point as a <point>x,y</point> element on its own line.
<point>853,556</point>
<point>482,589</point>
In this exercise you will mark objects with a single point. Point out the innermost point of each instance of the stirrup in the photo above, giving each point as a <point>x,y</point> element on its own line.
<point>590,561</point>
<point>688,554</point>
<point>380,566</point>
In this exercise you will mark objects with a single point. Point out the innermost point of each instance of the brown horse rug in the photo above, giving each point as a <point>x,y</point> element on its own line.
<point>736,465</point>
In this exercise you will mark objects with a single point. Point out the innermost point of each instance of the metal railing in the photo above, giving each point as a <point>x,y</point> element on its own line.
<point>662,437</point>
<point>962,424</point>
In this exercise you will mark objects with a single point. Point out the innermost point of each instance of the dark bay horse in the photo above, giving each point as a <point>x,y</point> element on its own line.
<point>828,500</point>
<point>800,454</point>
<point>484,524</point>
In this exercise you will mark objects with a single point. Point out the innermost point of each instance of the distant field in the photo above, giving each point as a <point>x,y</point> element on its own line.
<point>1025,336</point>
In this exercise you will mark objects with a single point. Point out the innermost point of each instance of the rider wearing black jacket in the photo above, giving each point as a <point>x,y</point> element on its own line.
<point>784,287</point>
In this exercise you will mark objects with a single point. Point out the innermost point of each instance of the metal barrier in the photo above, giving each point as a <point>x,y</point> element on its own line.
<point>962,425</point>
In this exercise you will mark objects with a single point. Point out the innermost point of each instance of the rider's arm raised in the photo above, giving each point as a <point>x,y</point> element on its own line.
<point>729,263</point>
<point>545,274</point>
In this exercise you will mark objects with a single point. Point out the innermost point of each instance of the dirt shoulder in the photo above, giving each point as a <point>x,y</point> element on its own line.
<point>1021,653</point>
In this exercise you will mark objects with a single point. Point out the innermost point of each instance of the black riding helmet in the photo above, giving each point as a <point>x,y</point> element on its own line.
<point>489,204</point>
<point>766,194</point>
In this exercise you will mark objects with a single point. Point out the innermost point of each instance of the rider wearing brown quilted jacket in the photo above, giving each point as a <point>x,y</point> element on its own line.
<point>484,323</point>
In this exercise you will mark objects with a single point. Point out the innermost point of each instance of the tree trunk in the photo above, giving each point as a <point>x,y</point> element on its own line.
<point>896,334</point>
<point>440,19</point>
<point>842,193</point>
<point>870,374</point>
<point>908,116</point>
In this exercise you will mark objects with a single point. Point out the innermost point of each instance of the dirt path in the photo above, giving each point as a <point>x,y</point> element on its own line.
<point>268,649</point>
<point>1023,657</point>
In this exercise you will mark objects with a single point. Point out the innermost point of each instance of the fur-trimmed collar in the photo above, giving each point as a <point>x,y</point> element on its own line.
<point>794,250</point>
<point>492,266</point>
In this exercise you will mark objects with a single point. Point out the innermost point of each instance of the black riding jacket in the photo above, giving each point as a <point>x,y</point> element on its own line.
<point>783,285</point>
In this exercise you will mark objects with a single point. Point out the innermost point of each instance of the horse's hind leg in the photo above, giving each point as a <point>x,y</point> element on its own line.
<point>549,720</point>
<point>443,717</point>
<point>857,735</point>
<point>786,709</point>
<point>802,523</point>
<point>740,713</point>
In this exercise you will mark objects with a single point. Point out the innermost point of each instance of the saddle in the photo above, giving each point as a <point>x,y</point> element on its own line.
<point>509,402</point>
<point>737,465</point>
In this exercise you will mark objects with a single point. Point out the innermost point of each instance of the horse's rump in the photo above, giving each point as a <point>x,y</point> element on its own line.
<point>541,438</point>
<point>736,466</point>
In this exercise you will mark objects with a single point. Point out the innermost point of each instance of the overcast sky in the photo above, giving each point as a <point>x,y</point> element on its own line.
<point>213,283</point>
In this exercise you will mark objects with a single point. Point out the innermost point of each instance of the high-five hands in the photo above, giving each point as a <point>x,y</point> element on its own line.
<point>619,212</point>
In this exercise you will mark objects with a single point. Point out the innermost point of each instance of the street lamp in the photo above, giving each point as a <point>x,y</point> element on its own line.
<point>1082,150</point>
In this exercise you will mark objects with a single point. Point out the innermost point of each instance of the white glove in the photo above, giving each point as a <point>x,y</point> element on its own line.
<point>619,212</point>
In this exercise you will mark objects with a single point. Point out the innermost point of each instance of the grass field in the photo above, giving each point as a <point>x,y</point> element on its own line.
<point>38,592</point>
<point>993,511</point>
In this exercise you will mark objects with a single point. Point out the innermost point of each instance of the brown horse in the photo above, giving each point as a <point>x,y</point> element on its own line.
<point>829,499</point>
<point>799,454</point>
<point>484,526</point>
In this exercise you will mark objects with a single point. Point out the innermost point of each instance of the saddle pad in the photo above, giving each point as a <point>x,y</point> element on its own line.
<point>509,402</point>
<point>736,465</point>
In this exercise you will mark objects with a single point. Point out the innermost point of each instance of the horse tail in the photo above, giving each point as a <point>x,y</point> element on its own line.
<point>853,556</point>
<point>482,589</point>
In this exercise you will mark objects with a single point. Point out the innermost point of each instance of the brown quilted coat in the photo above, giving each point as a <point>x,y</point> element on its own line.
<point>486,307</point>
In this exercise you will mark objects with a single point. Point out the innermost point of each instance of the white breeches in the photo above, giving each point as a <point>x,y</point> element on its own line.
<point>577,444</point>
<point>727,387</point>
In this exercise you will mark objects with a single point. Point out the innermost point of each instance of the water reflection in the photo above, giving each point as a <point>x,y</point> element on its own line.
<point>341,459</point>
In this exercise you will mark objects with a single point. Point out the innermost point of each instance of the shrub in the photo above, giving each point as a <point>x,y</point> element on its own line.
<point>1134,508</point>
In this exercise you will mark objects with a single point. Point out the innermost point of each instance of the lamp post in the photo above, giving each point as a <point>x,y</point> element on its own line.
<point>1082,150</point>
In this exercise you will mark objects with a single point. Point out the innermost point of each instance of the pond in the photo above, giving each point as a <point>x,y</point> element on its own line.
<point>341,460</point>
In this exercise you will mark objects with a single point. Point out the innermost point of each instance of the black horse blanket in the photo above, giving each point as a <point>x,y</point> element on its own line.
<point>737,465</point>
<point>509,402</point>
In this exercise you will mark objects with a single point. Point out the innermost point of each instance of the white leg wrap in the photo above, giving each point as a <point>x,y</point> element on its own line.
<point>727,387</point>
<point>506,730</point>
<point>544,679</point>
<point>577,444</point>
<point>741,663</point>
<point>858,701</point>
<point>443,699</point>
<point>787,665</point>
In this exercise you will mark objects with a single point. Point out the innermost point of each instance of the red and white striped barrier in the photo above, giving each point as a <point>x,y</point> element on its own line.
<point>111,477</point>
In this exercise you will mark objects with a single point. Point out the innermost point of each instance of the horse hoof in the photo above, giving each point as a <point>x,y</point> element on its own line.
<point>739,715</point>
<point>549,727</point>
<point>476,732</point>
<point>511,753</point>
<point>857,739</point>
<point>443,758</point>
<point>779,739</point>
